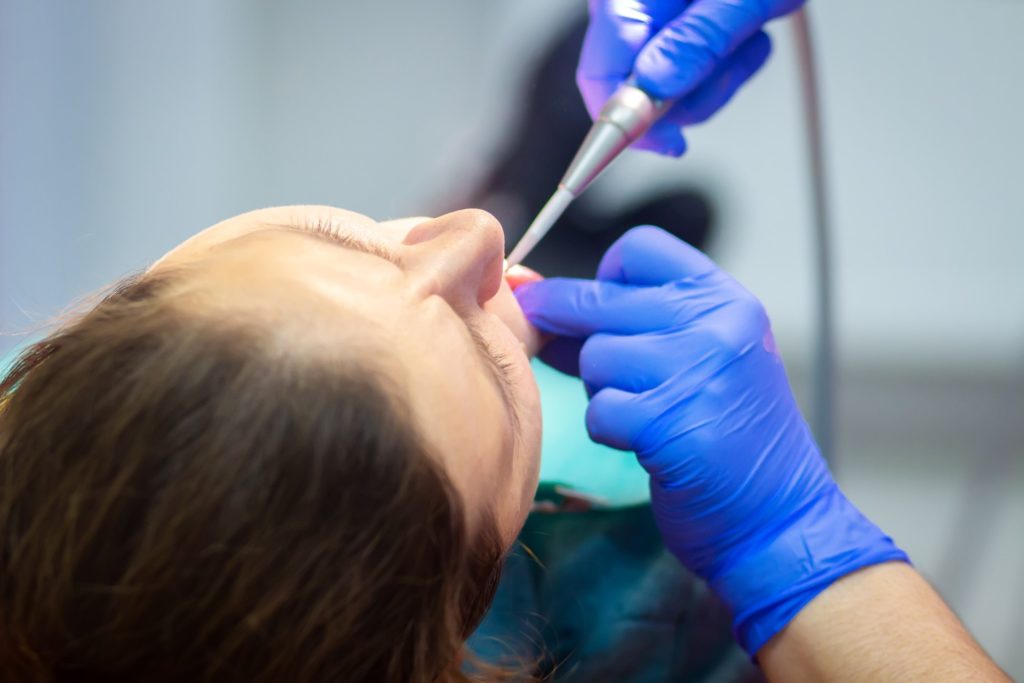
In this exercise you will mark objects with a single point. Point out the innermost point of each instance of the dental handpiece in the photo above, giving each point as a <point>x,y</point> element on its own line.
<point>627,115</point>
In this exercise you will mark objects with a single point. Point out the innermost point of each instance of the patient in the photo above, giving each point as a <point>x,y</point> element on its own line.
<point>296,448</point>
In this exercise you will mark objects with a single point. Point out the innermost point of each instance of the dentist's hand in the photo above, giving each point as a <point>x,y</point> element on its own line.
<point>698,50</point>
<point>682,368</point>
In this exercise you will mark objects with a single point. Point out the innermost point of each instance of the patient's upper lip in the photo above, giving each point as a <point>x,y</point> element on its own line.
<point>516,276</point>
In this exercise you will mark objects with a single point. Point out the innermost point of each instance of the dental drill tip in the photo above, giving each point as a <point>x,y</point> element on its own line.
<point>540,226</point>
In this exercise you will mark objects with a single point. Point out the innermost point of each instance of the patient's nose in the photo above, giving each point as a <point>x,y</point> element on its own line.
<point>457,256</point>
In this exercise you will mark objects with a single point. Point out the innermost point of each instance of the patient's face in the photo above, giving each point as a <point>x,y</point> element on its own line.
<point>426,296</point>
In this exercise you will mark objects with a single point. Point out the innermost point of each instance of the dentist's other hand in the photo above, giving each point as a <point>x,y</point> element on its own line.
<point>682,368</point>
<point>699,50</point>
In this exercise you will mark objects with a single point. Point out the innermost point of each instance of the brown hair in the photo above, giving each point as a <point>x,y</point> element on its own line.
<point>180,501</point>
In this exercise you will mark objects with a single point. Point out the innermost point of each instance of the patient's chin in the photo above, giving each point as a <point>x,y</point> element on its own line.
<point>533,340</point>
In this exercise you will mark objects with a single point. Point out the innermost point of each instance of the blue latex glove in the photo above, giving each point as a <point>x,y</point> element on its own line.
<point>682,368</point>
<point>699,50</point>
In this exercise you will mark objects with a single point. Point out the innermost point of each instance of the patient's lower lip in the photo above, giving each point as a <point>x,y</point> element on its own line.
<point>516,276</point>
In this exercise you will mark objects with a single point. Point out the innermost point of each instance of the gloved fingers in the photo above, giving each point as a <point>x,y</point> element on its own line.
<point>634,363</point>
<point>616,33</point>
<point>616,418</point>
<point>666,137</point>
<point>579,308</point>
<point>715,92</point>
<point>649,256</point>
<point>562,354</point>
<point>688,49</point>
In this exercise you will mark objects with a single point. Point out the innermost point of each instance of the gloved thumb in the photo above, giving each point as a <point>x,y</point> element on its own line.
<point>689,48</point>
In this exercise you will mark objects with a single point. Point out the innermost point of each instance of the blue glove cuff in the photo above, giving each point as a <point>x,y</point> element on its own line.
<point>769,585</point>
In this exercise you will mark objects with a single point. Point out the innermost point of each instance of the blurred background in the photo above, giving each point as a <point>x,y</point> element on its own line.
<point>127,126</point>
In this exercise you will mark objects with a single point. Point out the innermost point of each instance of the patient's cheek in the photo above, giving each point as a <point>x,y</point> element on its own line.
<point>505,306</point>
<point>531,337</point>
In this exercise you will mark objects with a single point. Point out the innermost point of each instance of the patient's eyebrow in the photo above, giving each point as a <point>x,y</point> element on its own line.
<point>325,234</point>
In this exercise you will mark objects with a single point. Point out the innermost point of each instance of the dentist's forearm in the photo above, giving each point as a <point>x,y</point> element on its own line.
<point>883,623</point>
